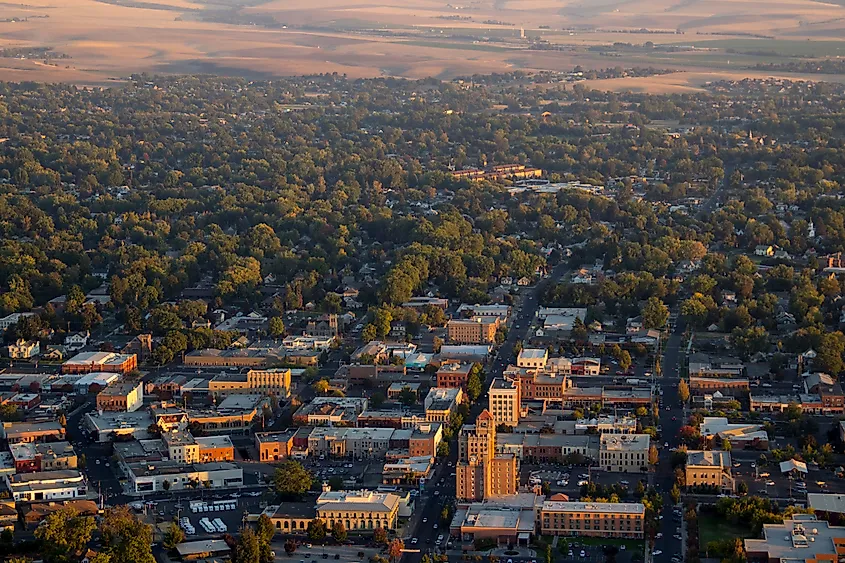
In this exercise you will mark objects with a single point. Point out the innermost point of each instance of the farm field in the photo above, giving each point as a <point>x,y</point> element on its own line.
<point>101,42</point>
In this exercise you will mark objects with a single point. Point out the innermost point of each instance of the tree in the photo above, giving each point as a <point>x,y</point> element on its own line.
<point>173,536</point>
<point>264,529</point>
<point>247,549</point>
<point>380,536</point>
<point>125,538</point>
<point>443,449</point>
<point>683,391</point>
<point>339,532</point>
<point>316,530</point>
<point>675,493</point>
<point>291,479</point>
<point>394,549</point>
<point>407,397</point>
<point>473,385</point>
<point>654,313</point>
<point>549,556</point>
<point>625,360</point>
<point>65,532</point>
<point>742,488</point>
<point>829,354</point>
<point>276,326</point>
<point>166,485</point>
<point>652,455</point>
<point>290,547</point>
<point>321,387</point>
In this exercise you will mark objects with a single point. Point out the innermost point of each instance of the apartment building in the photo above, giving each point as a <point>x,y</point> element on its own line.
<point>481,472</point>
<point>504,401</point>
<point>624,453</point>
<point>711,468</point>
<point>477,330</point>
<point>126,396</point>
<point>47,485</point>
<point>593,519</point>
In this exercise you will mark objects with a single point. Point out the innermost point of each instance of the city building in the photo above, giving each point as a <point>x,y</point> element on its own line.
<point>425,439</point>
<point>407,471</point>
<point>504,401</point>
<point>109,425</point>
<point>124,396</point>
<point>47,485</point>
<point>87,362</point>
<point>532,358</point>
<point>396,389</point>
<point>454,375</point>
<point>359,510</point>
<point>477,330</point>
<point>12,319</point>
<point>482,473</point>
<point>17,432</point>
<point>330,411</point>
<point>742,436</point>
<point>441,402</point>
<point>559,319</point>
<point>271,381</point>
<point>624,453</point>
<point>174,476</point>
<point>203,549</point>
<point>593,519</point>
<point>802,538</point>
<point>507,521</point>
<point>30,457</point>
<point>607,424</point>
<point>235,414</point>
<point>702,366</point>
<point>829,391</point>
<point>711,468</point>
<point>273,446</point>
<point>825,505</point>
<point>727,387</point>
<point>359,443</point>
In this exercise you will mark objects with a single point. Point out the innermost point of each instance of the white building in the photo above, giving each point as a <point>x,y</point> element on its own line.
<point>532,358</point>
<point>174,476</point>
<point>47,485</point>
<point>77,340</point>
<point>12,319</point>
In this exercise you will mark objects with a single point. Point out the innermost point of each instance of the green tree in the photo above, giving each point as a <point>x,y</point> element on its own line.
<point>125,538</point>
<point>625,360</point>
<point>652,455</point>
<point>291,479</point>
<point>276,326</point>
<point>473,385</point>
<point>339,532</point>
<point>443,449</point>
<point>654,313</point>
<point>407,397</point>
<point>829,354</point>
<point>247,548</point>
<point>264,529</point>
<point>316,530</point>
<point>290,547</point>
<point>173,536</point>
<point>683,391</point>
<point>321,387</point>
<point>65,532</point>
<point>675,493</point>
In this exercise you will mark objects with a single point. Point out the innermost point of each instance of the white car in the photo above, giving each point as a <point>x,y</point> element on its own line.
<point>414,541</point>
<point>583,553</point>
<point>656,552</point>
<point>658,535</point>
<point>583,482</point>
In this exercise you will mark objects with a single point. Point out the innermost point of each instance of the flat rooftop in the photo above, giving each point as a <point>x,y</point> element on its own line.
<point>594,507</point>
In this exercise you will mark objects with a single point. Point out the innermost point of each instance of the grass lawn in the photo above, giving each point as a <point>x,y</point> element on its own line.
<point>713,528</point>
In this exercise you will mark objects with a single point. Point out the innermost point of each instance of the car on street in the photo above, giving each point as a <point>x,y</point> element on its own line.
<point>414,541</point>
<point>770,483</point>
<point>583,553</point>
<point>753,465</point>
<point>425,520</point>
<point>656,552</point>
<point>665,444</point>
<point>678,537</point>
<point>658,535</point>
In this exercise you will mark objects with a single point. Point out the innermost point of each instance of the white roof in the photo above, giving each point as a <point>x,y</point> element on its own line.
<point>789,465</point>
